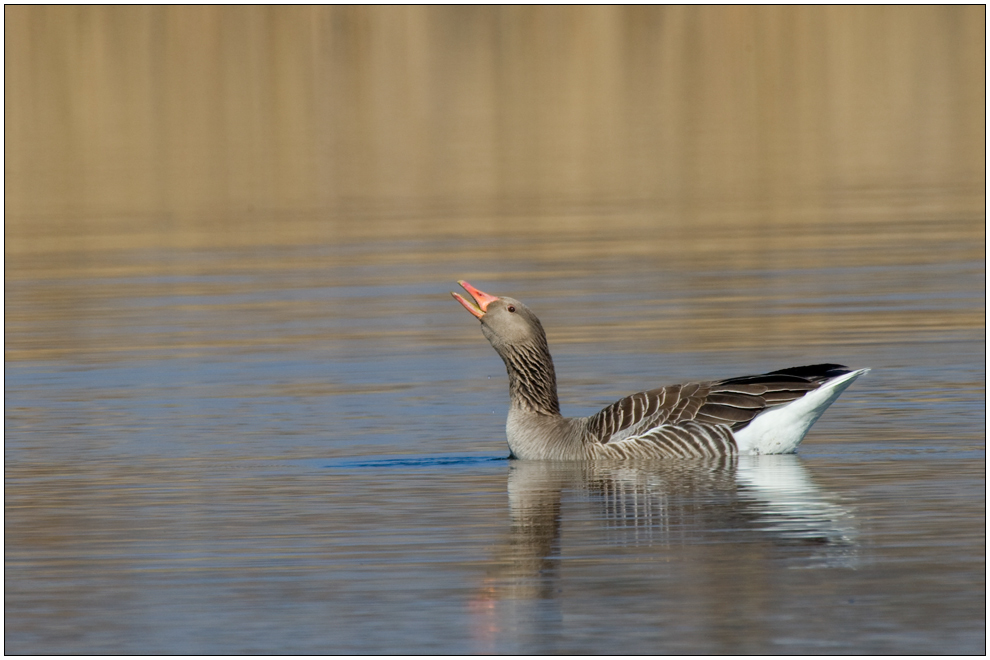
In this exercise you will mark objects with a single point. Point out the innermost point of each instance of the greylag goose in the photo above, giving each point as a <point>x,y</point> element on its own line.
<point>762,414</point>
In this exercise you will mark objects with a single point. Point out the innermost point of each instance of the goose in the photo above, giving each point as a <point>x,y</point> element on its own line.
<point>761,414</point>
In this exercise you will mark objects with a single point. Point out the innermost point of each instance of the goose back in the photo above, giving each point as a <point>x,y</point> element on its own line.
<point>732,403</point>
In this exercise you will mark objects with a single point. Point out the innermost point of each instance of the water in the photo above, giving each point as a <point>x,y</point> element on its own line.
<point>300,449</point>
<point>243,415</point>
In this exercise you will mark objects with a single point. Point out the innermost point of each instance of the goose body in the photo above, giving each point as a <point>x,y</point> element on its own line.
<point>762,414</point>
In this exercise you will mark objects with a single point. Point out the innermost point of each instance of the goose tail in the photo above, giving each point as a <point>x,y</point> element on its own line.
<point>780,429</point>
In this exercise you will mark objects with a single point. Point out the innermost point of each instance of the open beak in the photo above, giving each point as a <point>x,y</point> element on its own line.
<point>481,299</point>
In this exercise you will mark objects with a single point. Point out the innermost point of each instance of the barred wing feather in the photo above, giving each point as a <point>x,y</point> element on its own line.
<point>693,407</point>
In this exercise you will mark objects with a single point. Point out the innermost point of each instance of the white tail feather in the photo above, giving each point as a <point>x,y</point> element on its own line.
<point>780,429</point>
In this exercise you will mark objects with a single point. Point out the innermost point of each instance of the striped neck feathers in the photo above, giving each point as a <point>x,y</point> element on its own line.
<point>532,379</point>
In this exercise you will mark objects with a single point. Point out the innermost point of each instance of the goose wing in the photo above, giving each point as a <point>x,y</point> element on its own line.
<point>731,403</point>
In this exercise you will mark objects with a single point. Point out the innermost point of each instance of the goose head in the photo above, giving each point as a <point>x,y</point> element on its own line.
<point>506,323</point>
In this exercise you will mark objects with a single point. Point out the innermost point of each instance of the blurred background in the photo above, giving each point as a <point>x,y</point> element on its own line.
<point>153,121</point>
<point>229,236</point>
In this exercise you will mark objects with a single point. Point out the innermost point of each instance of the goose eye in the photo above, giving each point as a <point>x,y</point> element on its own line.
<point>511,308</point>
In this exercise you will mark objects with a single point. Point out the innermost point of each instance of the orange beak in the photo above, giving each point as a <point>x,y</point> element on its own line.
<point>482,299</point>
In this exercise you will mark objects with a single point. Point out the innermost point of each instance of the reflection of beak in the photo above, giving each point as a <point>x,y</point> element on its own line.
<point>482,299</point>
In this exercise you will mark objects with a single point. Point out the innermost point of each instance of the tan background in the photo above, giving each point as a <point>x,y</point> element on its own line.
<point>197,115</point>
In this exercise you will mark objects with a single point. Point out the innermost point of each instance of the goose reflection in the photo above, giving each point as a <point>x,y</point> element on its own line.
<point>732,511</point>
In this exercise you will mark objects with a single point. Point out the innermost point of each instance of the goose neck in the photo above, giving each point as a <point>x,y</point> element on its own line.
<point>532,379</point>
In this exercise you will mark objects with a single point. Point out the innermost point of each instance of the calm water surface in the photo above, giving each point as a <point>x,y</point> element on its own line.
<point>299,448</point>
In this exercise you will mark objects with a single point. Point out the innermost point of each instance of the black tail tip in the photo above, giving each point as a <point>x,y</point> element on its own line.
<point>815,371</point>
